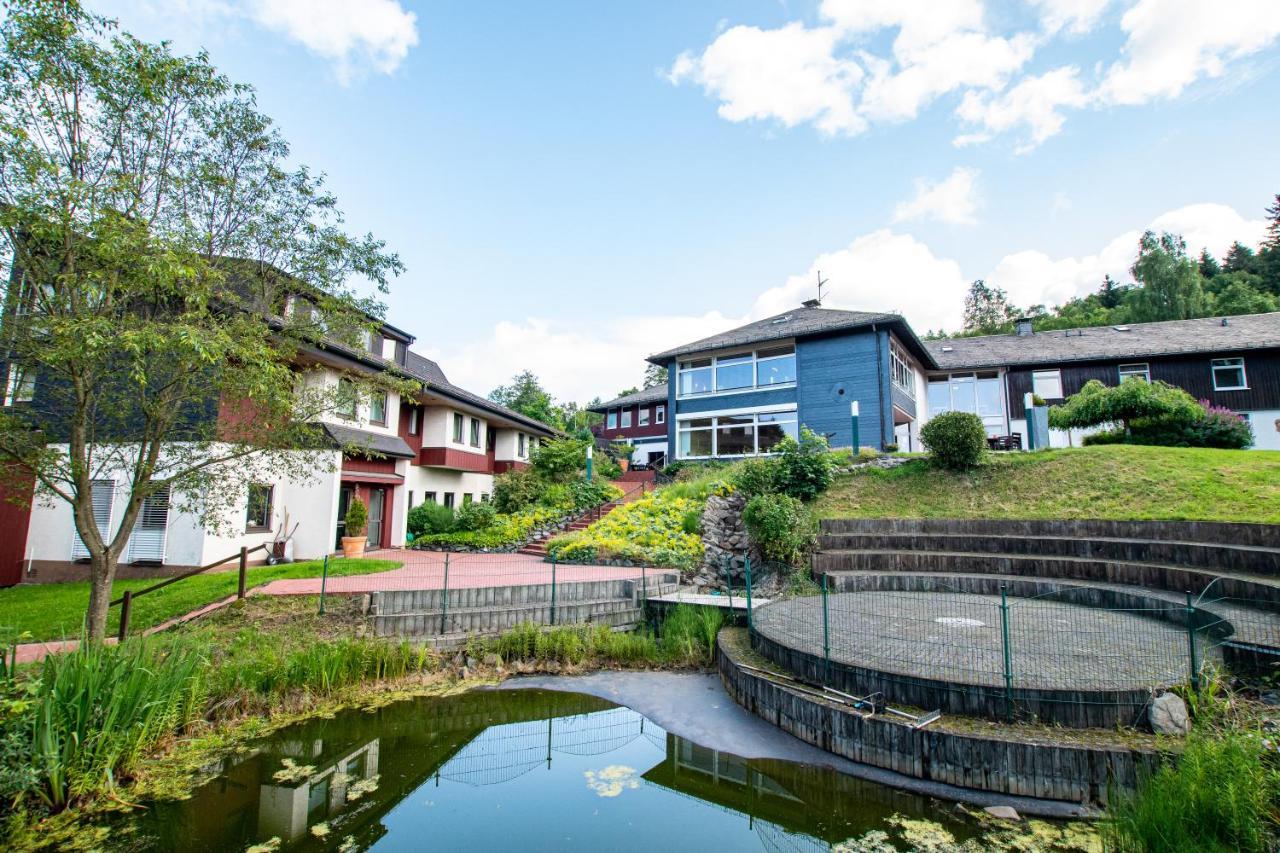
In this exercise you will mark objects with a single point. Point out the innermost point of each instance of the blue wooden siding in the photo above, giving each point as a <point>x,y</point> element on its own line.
<point>901,400</point>
<point>832,373</point>
<point>751,399</point>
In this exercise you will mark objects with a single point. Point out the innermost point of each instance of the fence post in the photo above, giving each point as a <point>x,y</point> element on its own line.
<point>644,588</point>
<point>746,567</point>
<point>444,595</point>
<point>826,630</point>
<point>553,590</point>
<point>244,568</point>
<point>1191,643</point>
<point>1008,660</point>
<point>324,581</point>
<point>126,604</point>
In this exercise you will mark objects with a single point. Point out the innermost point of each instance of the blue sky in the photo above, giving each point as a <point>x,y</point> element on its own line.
<point>573,185</point>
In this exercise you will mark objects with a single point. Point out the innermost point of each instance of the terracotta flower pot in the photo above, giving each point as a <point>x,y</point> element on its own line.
<point>353,546</point>
<point>624,464</point>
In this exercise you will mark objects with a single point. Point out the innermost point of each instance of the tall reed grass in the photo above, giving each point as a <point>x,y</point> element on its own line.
<point>1223,794</point>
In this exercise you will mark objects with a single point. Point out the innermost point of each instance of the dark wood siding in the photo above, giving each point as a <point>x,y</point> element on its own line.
<point>1189,372</point>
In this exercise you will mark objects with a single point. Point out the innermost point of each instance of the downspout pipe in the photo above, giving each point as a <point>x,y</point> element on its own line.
<point>885,405</point>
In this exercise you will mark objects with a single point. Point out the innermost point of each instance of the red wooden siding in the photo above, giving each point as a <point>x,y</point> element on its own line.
<point>14,522</point>
<point>501,466</point>
<point>458,460</point>
<point>653,430</point>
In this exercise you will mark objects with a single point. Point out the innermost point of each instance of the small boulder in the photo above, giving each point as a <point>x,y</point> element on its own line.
<point>492,659</point>
<point>1003,812</point>
<point>1168,715</point>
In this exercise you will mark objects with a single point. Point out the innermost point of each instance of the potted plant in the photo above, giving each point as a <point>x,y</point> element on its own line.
<point>622,451</point>
<point>356,521</point>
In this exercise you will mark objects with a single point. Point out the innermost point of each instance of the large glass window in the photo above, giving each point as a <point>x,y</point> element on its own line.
<point>1228,374</point>
<point>939,395</point>
<point>776,366</point>
<point>612,420</point>
<point>963,393</point>
<point>760,369</point>
<point>626,418</point>
<point>695,377</point>
<point>457,428</point>
<point>475,432</point>
<point>990,394</point>
<point>378,408</point>
<point>979,393</point>
<point>1047,384</point>
<point>733,435</point>
<point>735,372</point>
<point>346,400</point>
<point>900,371</point>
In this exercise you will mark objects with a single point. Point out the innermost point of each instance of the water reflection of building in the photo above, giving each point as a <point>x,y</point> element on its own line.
<point>287,809</point>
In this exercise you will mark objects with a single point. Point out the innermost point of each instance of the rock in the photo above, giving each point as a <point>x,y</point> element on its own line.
<point>1270,698</point>
<point>464,674</point>
<point>492,659</point>
<point>1003,812</point>
<point>471,662</point>
<point>1168,715</point>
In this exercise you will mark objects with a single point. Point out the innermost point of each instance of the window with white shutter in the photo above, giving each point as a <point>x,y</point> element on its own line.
<point>146,543</point>
<point>102,492</point>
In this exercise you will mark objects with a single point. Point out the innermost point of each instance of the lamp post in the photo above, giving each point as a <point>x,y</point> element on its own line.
<point>590,447</point>
<point>853,412</point>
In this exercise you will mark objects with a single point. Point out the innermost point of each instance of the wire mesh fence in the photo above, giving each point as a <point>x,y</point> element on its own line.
<point>437,593</point>
<point>1001,648</point>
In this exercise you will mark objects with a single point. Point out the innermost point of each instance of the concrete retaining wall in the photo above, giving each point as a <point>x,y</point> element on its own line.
<point>1048,771</point>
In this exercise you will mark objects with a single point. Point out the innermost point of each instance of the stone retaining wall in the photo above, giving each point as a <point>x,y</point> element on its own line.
<point>1071,773</point>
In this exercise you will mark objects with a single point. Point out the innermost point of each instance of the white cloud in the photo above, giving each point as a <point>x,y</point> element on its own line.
<point>953,200</point>
<point>1034,104</point>
<point>1073,16</point>
<point>789,74</point>
<point>828,75</point>
<point>355,34</point>
<point>880,271</point>
<point>1172,43</point>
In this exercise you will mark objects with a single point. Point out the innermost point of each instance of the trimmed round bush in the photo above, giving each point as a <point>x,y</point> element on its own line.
<point>956,440</point>
<point>428,518</point>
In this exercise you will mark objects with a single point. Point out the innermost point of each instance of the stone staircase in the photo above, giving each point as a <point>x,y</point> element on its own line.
<point>617,603</point>
<point>631,490</point>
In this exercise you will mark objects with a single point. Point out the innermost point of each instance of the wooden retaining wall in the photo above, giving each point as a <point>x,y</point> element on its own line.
<point>1257,535</point>
<point>1071,773</point>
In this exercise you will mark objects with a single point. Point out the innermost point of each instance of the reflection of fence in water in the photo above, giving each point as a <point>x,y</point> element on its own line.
<point>778,840</point>
<point>502,753</point>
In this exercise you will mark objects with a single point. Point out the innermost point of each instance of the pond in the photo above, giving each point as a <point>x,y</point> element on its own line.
<point>533,770</point>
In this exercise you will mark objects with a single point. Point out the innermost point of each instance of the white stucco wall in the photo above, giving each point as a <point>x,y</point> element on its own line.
<point>437,429</point>
<point>1266,428</point>
<point>327,380</point>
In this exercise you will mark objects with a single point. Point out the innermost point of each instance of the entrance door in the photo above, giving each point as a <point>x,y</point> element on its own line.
<point>377,504</point>
<point>344,501</point>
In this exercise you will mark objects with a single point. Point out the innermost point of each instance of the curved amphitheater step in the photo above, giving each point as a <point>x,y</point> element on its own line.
<point>1232,624</point>
<point>1226,560</point>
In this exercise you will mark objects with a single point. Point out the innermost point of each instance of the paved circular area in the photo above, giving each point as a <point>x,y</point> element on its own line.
<point>956,637</point>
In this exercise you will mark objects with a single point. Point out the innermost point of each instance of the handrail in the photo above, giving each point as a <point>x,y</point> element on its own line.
<point>126,601</point>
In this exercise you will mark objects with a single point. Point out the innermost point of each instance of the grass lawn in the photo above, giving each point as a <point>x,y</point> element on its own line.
<point>1116,482</point>
<point>52,611</point>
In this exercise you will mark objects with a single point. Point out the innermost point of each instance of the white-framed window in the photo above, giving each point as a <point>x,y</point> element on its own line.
<point>626,418</point>
<point>347,399</point>
<point>457,428</point>
<point>746,434</point>
<point>1228,374</point>
<point>258,510</point>
<point>980,393</point>
<point>378,409</point>
<point>611,420</point>
<point>660,414</point>
<point>900,371</point>
<point>20,386</point>
<point>763,368</point>
<point>1047,384</point>
<point>1137,370</point>
<point>102,496</point>
<point>475,432</point>
<point>520,445</point>
<point>642,416</point>
<point>414,414</point>
<point>146,543</point>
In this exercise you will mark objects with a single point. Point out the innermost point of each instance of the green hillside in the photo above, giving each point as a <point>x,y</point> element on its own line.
<point>1117,481</point>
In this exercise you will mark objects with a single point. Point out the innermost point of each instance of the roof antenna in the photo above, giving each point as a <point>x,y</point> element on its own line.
<point>814,303</point>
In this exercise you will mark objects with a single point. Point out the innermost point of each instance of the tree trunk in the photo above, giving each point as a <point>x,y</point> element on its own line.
<point>102,571</point>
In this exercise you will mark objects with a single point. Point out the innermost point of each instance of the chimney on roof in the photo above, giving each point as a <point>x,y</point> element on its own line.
<point>1022,326</point>
<point>811,303</point>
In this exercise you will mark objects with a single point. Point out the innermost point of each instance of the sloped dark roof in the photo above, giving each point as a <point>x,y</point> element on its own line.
<point>796,323</point>
<point>653,394</point>
<point>1136,340</point>
<point>386,445</point>
<point>433,379</point>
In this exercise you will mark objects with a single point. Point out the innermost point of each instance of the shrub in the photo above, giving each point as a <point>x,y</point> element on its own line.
<point>1132,404</point>
<point>516,490</point>
<point>428,518</point>
<point>891,447</point>
<point>584,495</point>
<point>1220,795</point>
<point>357,518</point>
<point>692,522</point>
<point>649,530</point>
<point>781,525</point>
<point>956,440</point>
<point>757,476</point>
<point>805,467</point>
<point>1217,427</point>
<point>560,460</point>
<point>474,516</point>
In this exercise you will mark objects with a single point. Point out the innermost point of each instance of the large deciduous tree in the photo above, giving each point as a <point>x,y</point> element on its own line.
<point>987,310</point>
<point>158,241</point>
<point>526,395</point>
<point>1171,284</point>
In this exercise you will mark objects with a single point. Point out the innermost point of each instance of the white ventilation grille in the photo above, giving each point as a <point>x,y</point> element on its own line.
<point>146,543</point>
<point>102,493</point>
